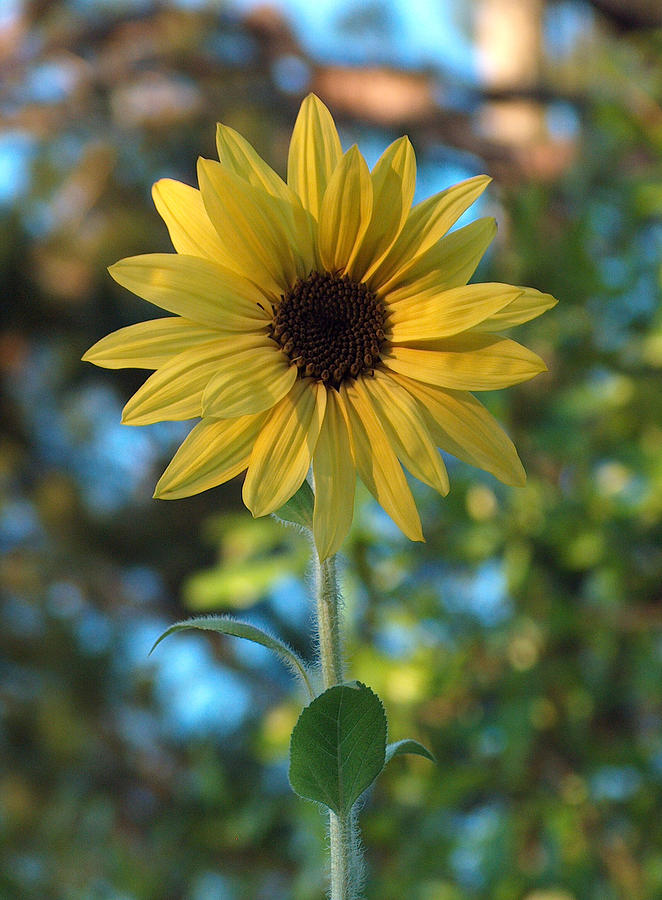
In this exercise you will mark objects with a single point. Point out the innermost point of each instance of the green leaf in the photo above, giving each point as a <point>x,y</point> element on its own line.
<point>338,746</point>
<point>228,625</point>
<point>299,508</point>
<point>408,746</point>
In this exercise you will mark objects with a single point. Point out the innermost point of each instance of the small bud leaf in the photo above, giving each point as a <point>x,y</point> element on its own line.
<point>408,746</point>
<point>299,508</point>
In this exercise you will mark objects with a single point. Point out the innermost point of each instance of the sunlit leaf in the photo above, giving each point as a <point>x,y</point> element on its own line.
<point>254,556</point>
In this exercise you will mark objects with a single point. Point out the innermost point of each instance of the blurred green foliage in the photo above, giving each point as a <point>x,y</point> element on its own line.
<point>522,643</point>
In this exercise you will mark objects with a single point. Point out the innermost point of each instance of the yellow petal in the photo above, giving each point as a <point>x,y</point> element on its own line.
<point>315,152</point>
<point>461,425</point>
<point>469,362</point>
<point>528,305</point>
<point>148,345</point>
<point>196,289</point>
<point>449,263</point>
<point>345,213</point>
<point>428,222</point>
<point>248,380</point>
<point>174,391</point>
<point>184,213</point>
<point>432,315</point>
<point>213,453</point>
<point>236,154</point>
<point>335,480</point>
<point>405,427</point>
<point>250,224</point>
<point>393,184</point>
<point>283,451</point>
<point>377,464</point>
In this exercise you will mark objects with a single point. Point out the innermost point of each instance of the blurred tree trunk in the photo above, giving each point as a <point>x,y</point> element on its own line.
<point>509,50</point>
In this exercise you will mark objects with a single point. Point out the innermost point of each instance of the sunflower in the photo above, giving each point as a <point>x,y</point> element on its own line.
<point>321,322</point>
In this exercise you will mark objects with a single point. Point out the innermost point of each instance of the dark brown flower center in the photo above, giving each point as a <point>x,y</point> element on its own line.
<point>330,326</point>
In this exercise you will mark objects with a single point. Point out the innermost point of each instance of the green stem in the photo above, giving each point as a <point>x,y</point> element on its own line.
<point>343,837</point>
<point>328,621</point>
<point>340,843</point>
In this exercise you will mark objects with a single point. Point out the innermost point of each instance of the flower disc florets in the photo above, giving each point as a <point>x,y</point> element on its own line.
<point>331,327</point>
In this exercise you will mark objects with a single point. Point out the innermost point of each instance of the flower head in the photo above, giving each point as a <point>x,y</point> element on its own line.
<point>324,321</point>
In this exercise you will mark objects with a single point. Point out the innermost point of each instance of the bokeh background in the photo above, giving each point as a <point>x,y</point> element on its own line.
<point>522,642</point>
